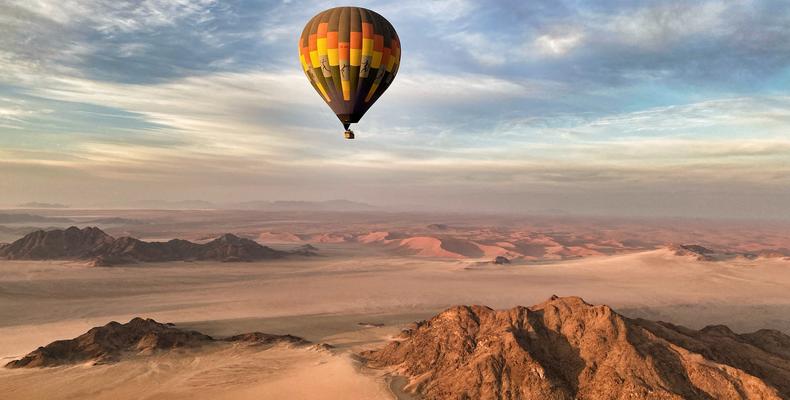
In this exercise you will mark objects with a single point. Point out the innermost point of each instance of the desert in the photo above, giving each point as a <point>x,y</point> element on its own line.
<point>394,200</point>
<point>352,290</point>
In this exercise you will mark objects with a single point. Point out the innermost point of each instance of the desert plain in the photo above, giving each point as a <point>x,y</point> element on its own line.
<point>373,274</point>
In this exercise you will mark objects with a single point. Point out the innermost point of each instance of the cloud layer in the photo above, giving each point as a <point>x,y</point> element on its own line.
<point>512,106</point>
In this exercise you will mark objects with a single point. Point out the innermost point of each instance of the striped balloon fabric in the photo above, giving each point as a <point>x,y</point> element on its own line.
<point>350,55</point>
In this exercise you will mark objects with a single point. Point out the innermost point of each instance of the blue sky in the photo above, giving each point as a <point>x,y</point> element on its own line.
<point>608,107</point>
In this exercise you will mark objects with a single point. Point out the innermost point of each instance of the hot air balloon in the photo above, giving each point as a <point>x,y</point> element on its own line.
<point>350,55</point>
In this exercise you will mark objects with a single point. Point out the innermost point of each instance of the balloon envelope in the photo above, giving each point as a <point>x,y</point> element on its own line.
<point>350,55</point>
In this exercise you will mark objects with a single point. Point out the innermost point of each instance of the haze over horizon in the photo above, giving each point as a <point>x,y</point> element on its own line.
<point>606,108</point>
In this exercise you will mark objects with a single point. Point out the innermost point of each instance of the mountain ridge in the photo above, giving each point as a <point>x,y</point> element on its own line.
<point>566,348</point>
<point>110,342</point>
<point>94,245</point>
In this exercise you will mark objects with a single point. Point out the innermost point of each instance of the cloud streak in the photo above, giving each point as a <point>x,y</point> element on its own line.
<point>493,105</point>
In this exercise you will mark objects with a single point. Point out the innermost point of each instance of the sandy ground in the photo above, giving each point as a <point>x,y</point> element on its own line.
<point>324,299</point>
<point>228,372</point>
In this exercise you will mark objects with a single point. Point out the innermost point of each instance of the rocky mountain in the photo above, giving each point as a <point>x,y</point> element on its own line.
<point>266,339</point>
<point>566,348</point>
<point>95,245</point>
<point>306,250</point>
<point>139,336</point>
<point>71,243</point>
<point>501,260</point>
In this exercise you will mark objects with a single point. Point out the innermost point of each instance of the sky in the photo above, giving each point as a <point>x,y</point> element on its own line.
<point>612,107</point>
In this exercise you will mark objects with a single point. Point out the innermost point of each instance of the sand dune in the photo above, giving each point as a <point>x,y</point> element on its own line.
<point>373,237</point>
<point>577,251</point>
<point>490,251</point>
<point>238,372</point>
<point>45,301</point>
<point>435,354</point>
<point>323,299</point>
<point>327,238</point>
<point>532,238</point>
<point>278,237</point>
<point>440,247</point>
<point>426,246</point>
<point>447,246</point>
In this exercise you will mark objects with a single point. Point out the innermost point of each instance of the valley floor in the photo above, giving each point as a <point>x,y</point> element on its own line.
<point>338,299</point>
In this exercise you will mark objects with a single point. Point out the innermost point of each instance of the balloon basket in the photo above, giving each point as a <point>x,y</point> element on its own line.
<point>349,134</point>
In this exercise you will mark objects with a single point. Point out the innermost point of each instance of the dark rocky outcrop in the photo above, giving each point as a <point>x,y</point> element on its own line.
<point>109,343</point>
<point>266,339</point>
<point>705,254</point>
<point>438,227</point>
<point>71,243</point>
<point>94,245</point>
<point>305,250</point>
<point>565,348</point>
<point>501,260</point>
<point>697,249</point>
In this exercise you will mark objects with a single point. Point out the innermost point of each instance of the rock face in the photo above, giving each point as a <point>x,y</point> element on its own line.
<point>229,247</point>
<point>306,250</point>
<point>699,252</point>
<point>266,338</point>
<point>139,336</point>
<point>107,343</point>
<point>568,349</point>
<point>501,260</point>
<point>58,244</point>
<point>93,244</point>
<point>697,249</point>
<point>764,354</point>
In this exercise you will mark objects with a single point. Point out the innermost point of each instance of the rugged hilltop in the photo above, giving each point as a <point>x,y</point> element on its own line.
<point>139,336</point>
<point>93,244</point>
<point>568,349</point>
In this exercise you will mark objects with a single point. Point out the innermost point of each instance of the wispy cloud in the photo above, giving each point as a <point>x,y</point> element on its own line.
<point>196,98</point>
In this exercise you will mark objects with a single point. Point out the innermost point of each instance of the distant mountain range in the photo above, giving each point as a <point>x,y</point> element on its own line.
<point>15,218</point>
<point>35,204</point>
<point>329,205</point>
<point>92,244</point>
<point>295,205</point>
<point>172,205</point>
